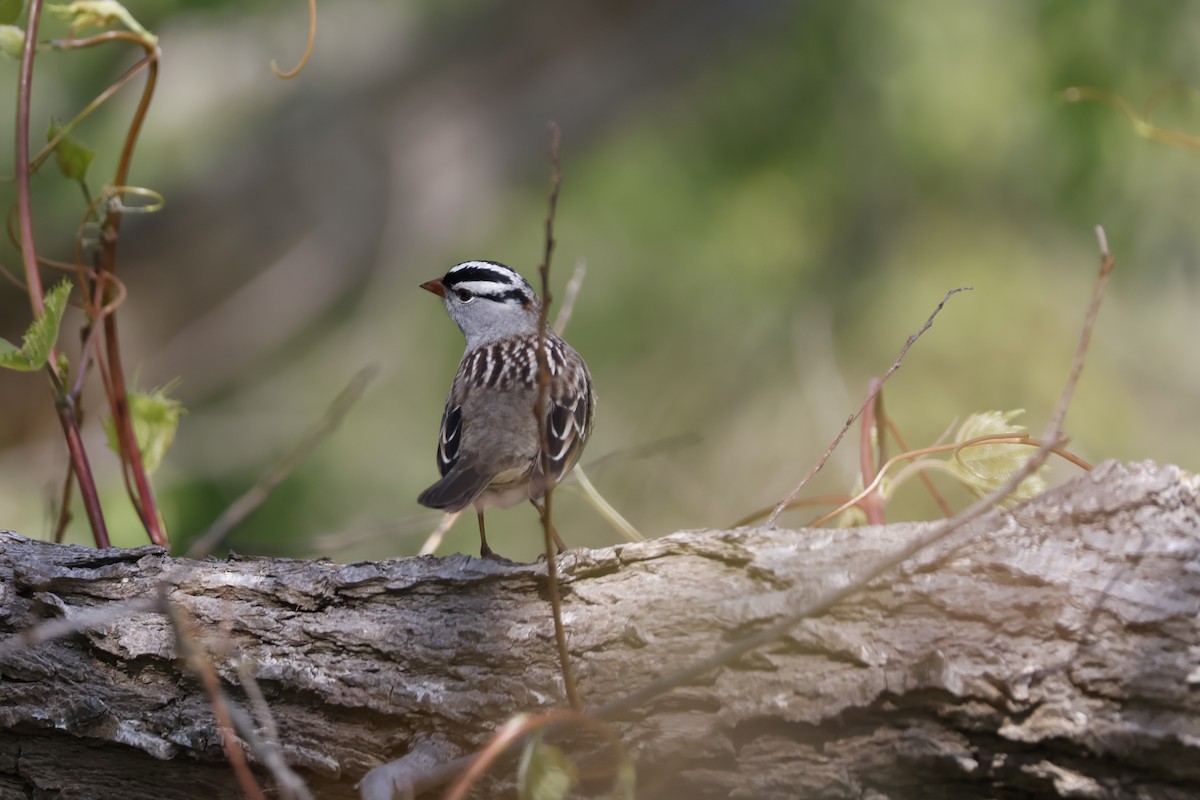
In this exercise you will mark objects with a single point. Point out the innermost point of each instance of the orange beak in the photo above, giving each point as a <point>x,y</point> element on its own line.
<point>436,286</point>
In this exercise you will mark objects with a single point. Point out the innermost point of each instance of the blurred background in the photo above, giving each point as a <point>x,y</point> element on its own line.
<point>770,197</point>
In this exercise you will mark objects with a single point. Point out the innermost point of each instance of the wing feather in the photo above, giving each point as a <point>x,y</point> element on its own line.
<point>450,438</point>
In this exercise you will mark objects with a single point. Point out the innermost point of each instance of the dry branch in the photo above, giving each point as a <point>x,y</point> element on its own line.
<point>1046,651</point>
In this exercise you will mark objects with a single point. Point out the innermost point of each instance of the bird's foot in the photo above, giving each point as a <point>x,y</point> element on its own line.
<point>492,555</point>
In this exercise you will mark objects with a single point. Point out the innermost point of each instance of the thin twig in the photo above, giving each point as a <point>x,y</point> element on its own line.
<point>786,501</point>
<point>232,721</point>
<point>189,650</point>
<point>245,505</point>
<point>266,747</point>
<point>262,710</point>
<point>1050,440</point>
<point>570,293</point>
<point>540,405</point>
<point>1107,262</point>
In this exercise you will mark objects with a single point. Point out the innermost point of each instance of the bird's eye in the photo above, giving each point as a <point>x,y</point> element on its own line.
<point>464,295</point>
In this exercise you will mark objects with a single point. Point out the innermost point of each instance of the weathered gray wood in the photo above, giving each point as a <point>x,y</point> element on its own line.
<point>1051,651</point>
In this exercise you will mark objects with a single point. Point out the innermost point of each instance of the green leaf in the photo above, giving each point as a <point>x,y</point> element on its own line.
<point>73,157</point>
<point>155,420</point>
<point>10,11</point>
<point>40,336</point>
<point>544,772</point>
<point>984,467</point>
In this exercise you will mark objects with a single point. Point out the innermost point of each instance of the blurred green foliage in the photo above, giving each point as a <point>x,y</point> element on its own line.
<point>762,230</point>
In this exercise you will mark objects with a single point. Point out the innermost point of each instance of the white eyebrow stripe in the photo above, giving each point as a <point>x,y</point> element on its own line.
<point>483,287</point>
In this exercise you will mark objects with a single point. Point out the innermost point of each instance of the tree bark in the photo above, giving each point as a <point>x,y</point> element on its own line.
<point>1051,650</point>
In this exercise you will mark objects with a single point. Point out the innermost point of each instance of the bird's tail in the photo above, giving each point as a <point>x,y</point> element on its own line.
<point>457,489</point>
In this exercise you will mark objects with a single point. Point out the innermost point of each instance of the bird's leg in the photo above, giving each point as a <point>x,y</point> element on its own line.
<point>484,550</point>
<point>558,542</point>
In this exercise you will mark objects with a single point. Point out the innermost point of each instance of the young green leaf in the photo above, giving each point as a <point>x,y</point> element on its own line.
<point>73,156</point>
<point>984,467</point>
<point>544,772</point>
<point>40,336</point>
<point>155,420</point>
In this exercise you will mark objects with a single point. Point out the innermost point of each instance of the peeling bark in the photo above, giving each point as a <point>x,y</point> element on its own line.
<point>1048,651</point>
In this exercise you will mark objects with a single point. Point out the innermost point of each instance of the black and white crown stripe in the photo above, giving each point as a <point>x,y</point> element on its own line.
<point>490,280</point>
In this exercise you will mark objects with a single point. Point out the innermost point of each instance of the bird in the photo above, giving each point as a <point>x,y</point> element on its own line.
<point>489,450</point>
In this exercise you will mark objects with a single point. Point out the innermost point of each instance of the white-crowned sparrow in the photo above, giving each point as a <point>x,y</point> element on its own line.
<point>489,450</point>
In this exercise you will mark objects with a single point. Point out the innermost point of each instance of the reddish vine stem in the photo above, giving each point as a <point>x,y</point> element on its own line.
<point>933,492</point>
<point>133,466</point>
<point>33,281</point>
<point>100,307</point>
<point>98,100</point>
<point>83,470</point>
